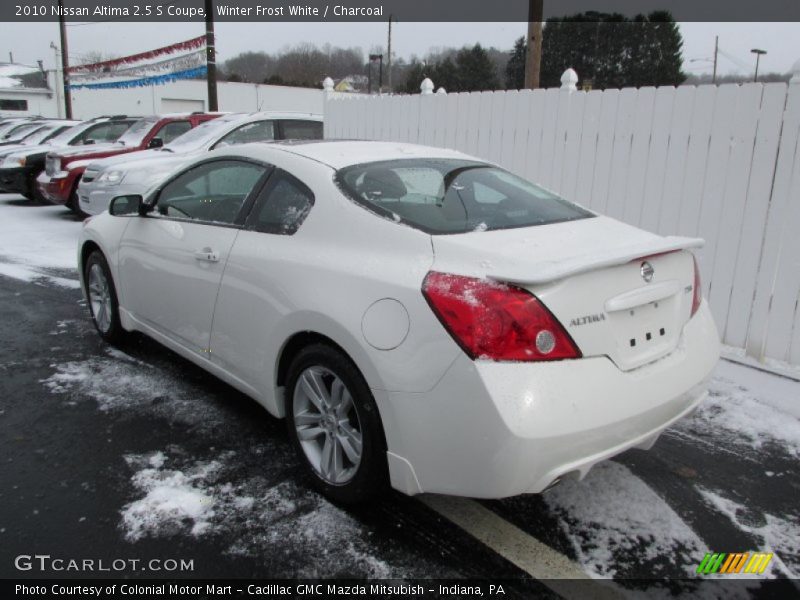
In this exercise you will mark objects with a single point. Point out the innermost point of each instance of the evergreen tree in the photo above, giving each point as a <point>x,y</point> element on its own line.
<point>515,68</point>
<point>474,71</point>
<point>470,70</point>
<point>613,51</point>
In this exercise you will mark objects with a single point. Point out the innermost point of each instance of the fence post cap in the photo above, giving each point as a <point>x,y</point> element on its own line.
<point>569,80</point>
<point>426,87</point>
<point>327,84</point>
<point>795,73</point>
<point>441,91</point>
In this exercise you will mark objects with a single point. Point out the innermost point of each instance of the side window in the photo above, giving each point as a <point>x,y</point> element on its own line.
<point>212,192</point>
<point>97,133</point>
<point>301,130</point>
<point>260,131</point>
<point>172,130</point>
<point>282,206</point>
<point>116,129</point>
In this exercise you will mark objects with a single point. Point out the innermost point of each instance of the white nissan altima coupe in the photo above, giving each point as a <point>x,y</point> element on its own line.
<point>420,317</point>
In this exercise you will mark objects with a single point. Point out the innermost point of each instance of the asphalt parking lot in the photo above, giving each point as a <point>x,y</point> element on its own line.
<point>136,453</point>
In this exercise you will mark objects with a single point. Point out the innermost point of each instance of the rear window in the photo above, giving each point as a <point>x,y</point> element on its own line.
<point>441,196</point>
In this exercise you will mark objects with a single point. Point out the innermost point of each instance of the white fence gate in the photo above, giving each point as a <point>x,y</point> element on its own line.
<point>719,162</point>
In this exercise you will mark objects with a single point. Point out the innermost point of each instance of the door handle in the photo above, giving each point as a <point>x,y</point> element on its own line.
<point>207,254</point>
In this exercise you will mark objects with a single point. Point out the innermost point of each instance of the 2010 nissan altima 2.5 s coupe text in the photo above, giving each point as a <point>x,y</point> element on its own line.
<point>421,318</point>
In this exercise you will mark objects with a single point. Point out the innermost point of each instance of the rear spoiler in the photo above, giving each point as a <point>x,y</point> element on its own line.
<point>581,264</point>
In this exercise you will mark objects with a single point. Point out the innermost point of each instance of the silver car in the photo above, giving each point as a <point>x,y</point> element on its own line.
<point>137,172</point>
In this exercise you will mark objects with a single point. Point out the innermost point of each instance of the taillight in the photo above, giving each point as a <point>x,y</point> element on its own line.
<point>495,321</point>
<point>697,290</point>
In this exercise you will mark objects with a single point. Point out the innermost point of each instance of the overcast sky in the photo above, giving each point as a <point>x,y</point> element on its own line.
<point>31,41</point>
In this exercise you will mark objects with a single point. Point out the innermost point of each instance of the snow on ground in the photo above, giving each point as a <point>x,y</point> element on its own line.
<point>38,243</point>
<point>612,515</point>
<point>778,535</point>
<point>180,495</point>
<point>123,383</point>
<point>749,408</point>
<point>171,499</point>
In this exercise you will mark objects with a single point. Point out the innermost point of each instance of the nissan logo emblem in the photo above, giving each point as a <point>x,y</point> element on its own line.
<point>647,271</point>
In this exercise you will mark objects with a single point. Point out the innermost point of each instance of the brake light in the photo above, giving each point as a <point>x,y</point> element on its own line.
<point>495,321</point>
<point>697,290</point>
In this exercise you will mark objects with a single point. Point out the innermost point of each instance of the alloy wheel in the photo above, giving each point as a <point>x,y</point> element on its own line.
<point>100,298</point>
<point>327,424</point>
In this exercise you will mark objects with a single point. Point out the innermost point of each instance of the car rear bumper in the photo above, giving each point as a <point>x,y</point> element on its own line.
<point>493,430</point>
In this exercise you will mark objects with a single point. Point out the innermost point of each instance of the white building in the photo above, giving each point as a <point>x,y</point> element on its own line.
<point>24,91</point>
<point>179,96</point>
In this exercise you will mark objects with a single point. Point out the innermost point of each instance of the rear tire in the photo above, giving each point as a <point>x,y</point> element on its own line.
<point>102,298</point>
<point>334,425</point>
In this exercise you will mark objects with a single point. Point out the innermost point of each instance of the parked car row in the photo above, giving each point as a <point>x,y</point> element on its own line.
<point>20,166</point>
<point>47,161</point>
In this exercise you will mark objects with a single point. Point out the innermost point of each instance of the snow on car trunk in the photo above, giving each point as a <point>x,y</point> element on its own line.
<point>618,291</point>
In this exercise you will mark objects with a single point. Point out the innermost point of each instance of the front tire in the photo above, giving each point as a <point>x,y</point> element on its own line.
<point>334,425</point>
<point>102,297</point>
<point>74,205</point>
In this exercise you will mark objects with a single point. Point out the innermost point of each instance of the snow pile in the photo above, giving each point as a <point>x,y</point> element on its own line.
<point>184,496</point>
<point>171,499</point>
<point>748,407</point>
<point>613,518</point>
<point>777,534</point>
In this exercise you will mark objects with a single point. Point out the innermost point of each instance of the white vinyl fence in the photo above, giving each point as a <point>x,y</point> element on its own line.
<point>718,162</point>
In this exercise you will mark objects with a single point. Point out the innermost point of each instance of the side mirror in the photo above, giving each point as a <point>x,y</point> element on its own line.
<point>126,206</point>
<point>89,141</point>
<point>156,142</point>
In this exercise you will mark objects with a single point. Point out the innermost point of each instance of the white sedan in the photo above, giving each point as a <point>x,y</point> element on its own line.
<point>421,318</point>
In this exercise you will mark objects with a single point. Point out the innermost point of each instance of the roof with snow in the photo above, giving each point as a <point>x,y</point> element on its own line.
<point>17,76</point>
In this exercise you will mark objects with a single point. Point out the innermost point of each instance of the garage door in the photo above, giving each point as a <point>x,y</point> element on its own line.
<point>170,105</point>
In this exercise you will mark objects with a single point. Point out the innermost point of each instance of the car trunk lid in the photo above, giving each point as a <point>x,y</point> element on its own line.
<point>595,276</point>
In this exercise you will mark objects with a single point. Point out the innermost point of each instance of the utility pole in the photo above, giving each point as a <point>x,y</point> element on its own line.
<point>373,58</point>
<point>64,61</point>
<point>533,61</point>
<point>389,53</point>
<point>758,52</point>
<point>56,76</point>
<point>716,52</point>
<point>211,58</point>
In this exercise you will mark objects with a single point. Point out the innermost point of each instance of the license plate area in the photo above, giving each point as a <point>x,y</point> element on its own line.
<point>646,332</point>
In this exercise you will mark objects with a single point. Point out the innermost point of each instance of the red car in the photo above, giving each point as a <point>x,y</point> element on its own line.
<point>64,167</point>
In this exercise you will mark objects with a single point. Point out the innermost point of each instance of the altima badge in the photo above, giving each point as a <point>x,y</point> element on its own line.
<point>647,271</point>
